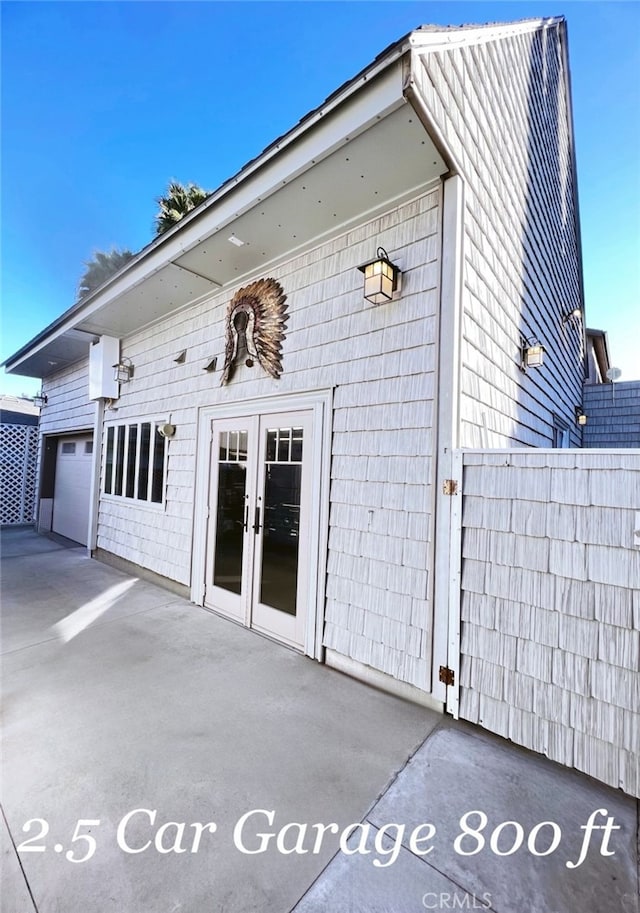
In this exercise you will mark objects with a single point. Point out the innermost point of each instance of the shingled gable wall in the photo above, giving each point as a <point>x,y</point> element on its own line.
<point>502,107</point>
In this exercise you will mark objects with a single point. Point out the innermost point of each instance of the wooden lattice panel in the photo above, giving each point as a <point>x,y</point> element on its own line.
<point>18,458</point>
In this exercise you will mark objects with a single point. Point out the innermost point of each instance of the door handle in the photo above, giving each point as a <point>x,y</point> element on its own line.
<point>246,519</point>
<point>256,525</point>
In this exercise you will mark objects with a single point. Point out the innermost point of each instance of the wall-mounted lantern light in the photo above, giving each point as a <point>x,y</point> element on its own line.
<point>532,354</point>
<point>581,416</point>
<point>40,400</point>
<point>123,371</point>
<point>381,278</point>
<point>575,314</point>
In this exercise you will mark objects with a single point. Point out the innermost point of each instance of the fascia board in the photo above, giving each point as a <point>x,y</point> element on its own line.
<point>438,40</point>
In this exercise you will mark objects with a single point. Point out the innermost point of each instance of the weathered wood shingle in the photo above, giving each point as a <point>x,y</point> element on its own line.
<point>502,107</point>
<point>574,693</point>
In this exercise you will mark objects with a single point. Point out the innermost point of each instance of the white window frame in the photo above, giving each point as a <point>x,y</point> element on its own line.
<point>155,440</point>
<point>560,433</point>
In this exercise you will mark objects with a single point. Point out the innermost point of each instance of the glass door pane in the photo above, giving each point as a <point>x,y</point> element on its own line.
<point>231,511</point>
<point>281,523</point>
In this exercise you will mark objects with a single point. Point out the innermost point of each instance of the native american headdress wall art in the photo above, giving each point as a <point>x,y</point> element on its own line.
<point>255,328</point>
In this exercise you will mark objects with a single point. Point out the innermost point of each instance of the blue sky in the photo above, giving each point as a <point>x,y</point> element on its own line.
<point>103,103</point>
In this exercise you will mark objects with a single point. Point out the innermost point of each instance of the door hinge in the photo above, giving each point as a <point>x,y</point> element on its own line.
<point>447,676</point>
<point>450,487</point>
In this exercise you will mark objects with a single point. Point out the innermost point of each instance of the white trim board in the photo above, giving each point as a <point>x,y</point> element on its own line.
<point>448,429</point>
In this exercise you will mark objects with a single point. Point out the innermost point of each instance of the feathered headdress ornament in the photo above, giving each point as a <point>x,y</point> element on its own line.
<point>255,328</point>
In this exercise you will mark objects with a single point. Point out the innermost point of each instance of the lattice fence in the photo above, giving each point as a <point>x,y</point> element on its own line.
<point>18,459</point>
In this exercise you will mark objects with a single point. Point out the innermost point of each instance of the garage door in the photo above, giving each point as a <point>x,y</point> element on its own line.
<point>72,491</point>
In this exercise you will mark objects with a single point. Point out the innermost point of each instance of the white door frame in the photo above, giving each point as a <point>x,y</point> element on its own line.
<point>319,403</point>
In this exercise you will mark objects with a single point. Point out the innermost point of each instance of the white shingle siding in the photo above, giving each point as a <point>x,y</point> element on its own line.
<point>613,412</point>
<point>557,649</point>
<point>502,108</point>
<point>380,363</point>
<point>68,405</point>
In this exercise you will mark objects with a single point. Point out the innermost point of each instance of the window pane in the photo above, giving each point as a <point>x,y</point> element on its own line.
<point>108,469</point>
<point>227,565</point>
<point>88,446</point>
<point>119,460</point>
<point>69,447</point>
<point>131,461</point>
<point>296,446</point>
<point>279,579</point>
<point>157,481</point>
<point>283,445</point>
<point>224,445</point>
<point>143,472</point>
<point>233,446</point>
<point>272,444</point>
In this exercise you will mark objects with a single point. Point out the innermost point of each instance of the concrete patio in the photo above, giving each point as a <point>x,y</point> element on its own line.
<point>129,708</point>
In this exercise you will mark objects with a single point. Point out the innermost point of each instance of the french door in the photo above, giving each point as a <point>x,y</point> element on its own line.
<point>258,550</point>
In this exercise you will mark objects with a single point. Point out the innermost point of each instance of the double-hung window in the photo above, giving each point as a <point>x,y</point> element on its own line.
<point>135,461</point>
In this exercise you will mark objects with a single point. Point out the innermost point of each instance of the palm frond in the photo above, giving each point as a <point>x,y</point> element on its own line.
<point>178,200</point>
<point>101,267</point>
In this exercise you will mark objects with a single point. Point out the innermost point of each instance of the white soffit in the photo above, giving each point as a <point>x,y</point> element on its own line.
<point>165,291</point>
<point>391,161</point>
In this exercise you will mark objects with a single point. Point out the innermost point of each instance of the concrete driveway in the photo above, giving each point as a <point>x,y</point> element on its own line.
<point>140,729</point>
<point>160,705</point>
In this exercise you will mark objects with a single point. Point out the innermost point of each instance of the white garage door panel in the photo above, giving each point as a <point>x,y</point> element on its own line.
<point>73,487</point>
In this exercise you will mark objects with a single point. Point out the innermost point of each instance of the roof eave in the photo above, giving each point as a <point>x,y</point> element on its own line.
<point>188,223</point>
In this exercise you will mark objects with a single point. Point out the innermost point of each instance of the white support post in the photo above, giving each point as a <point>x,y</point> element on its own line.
<point>446,600</point>
<point>94,500</point>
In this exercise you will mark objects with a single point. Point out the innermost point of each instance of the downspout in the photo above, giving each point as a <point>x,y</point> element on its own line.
<point>445,557</point>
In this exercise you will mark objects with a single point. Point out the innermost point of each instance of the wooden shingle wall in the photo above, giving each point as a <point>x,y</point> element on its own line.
<point>551,606</point>
<point>501,106</point>
<point>380,363</point>
<point>613,412</point>
<point>68,407</point>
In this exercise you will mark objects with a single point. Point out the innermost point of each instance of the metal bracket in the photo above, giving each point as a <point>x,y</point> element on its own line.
<point>447,676</point>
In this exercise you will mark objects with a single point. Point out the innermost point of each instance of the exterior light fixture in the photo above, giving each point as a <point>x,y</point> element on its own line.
<point>575,314</point>
<point>581,416</point>
<point>381,278</point>
<point>532,354</point>
<point>123,371</point>
<point>40,400</point>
